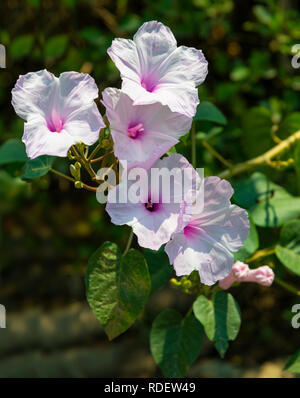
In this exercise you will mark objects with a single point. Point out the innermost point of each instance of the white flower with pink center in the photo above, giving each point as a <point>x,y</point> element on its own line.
<point>142,133</point>
<point>153,69</point>
<point>210,235</point>
<point>154,219</point>
<point>59,112</point>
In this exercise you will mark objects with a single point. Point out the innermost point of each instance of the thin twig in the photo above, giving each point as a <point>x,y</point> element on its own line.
<point>287,287</point>
<point>216,154</point>
<point>262,159</point>
<point>261,254</point>
<point>62,175</point>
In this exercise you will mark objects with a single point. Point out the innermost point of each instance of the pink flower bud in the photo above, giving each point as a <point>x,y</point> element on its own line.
<point>241,273</point>
<point>263,276</point>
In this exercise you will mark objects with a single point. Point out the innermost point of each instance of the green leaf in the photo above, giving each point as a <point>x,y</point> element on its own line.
<point>251,244</point>
<point>175,342</point>
<point>159,267</point>
<point>256,127</point>
<point>269,204</point>
<point>297,162</point>
<point>240,72</point>
<point>56,46</point>
<point>12,151</point>
<point>117,287</point>
<point>220,317</point>
<point>172,150</point>
<point>288,250</point>
<point>263,14</point>
<point>293,365</point>
<point>289,125</point>
<point>288,258</point>
<point>35,168</point>
<point>209,112</point>
<point>21,46</point>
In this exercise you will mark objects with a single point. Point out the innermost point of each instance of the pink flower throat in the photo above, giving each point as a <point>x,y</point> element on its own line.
<point>54,123</point>
<point>135,131</point>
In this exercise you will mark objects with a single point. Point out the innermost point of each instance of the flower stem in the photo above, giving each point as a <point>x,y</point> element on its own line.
<point>128,242</point>
<point>86,163</point>
<point>94,153</point>
<point>62,175</point>
<point>261,254</point>
<point>287,287</point>
<point>263,159</point>
<point>216,154</point>
<point>101,157</point>
<point>89,188</point>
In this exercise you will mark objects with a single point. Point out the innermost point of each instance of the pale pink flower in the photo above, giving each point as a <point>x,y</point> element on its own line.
<point>59,112</point>
<point>152,219</point>
<point>142,133</point>
<point>154,69</point>
<point>211,234</point>
<point>241,272</point>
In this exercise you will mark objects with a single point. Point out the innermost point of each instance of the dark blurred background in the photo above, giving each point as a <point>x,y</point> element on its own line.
<point>48,229</point>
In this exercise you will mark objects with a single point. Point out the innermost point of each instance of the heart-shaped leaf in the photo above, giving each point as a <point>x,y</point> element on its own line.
<point>288,250</point>
<point>175,342</point>
<point>220,317</point>
<point>117,287</point>
<point>37,167</point>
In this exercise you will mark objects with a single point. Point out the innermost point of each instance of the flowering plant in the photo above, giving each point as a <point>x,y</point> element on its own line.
<point>205,232</point>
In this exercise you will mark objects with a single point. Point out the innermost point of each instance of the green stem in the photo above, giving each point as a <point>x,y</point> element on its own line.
<point>128,242</point>
<point>261,254</point>
<point>287,287</point>
<point>216,154</point>
<point>263,159</point>
<point>62,175</point>
<point>86,164</point>
<point>94,153</point>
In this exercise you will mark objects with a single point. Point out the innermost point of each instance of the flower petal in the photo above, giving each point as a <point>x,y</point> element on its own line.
<point>40,141</point>
<point>32,93</point>
<point>76,90</point>
<point>154,42</point>
<point>59,112</point>
<point>207,256</point>
<point>84,124</point>
<point>124,54</point>
<point>161,128</point>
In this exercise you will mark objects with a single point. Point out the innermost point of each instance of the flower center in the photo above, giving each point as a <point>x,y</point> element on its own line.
<point>149,83</point>
<point>55,124</point>
<point>192,231</point>
<point>135,131</point>
<point>151,206</point>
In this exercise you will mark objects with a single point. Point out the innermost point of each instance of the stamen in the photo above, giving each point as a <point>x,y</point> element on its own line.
<point>135,131</point>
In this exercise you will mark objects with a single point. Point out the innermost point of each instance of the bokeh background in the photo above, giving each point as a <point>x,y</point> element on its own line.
<point>48,229</point>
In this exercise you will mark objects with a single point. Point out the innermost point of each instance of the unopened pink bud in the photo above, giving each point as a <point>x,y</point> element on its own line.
<point>240,270</point>
<point>263,276</point>
<point>241,273</point>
